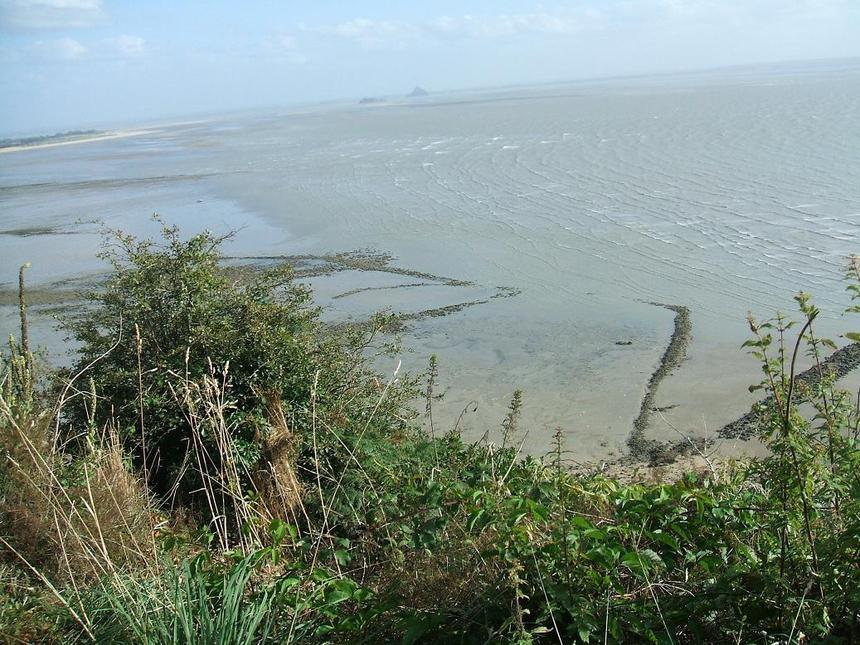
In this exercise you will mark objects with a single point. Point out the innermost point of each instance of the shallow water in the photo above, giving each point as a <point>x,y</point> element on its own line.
<point>723,191</point>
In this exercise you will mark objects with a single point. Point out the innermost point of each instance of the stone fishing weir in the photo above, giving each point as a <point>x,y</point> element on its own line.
<point>840,363</point>
<point>313,266</point>
<point>642,448</point>
<point>62,297</point>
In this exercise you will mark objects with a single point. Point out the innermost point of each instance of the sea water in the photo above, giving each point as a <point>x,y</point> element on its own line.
<point>724,191</point>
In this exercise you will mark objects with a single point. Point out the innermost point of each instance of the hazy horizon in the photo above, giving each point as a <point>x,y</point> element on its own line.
<point>90,63</point>
<point>168,119</point>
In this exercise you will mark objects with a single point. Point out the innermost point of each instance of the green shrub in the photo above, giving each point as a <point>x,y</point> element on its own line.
<point>169,316</point>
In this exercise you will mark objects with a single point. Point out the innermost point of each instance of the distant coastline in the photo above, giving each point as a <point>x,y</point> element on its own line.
<point>65,139</point>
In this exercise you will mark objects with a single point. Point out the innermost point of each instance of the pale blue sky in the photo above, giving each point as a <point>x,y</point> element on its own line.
<point>97,63</point>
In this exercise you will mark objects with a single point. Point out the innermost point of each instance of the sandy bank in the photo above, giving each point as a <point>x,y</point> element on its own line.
<point>119,134</point>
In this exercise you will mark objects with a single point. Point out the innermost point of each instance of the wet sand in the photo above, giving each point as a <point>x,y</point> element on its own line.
<point>646,457</point>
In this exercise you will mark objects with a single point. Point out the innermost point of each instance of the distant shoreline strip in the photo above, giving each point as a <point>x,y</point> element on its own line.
<point>53,144</point>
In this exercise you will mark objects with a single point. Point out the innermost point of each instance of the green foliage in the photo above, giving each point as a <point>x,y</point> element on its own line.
<point>480,546</point>
<point>165,313</point>
<point>188,604</point>
<point>512,420</point>
<point>272,595</point>
<point>17,369</point>
<point>25,614</point>
<point>171,314</point>
<point>812,514</point>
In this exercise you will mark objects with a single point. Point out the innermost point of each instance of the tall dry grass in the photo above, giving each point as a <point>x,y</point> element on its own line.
<point>239,517</point>
<point>82,521</point>
<point>70,522</point>
<point>86,526</point>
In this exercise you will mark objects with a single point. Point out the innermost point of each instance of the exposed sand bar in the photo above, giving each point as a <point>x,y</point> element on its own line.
<point>105,136</point>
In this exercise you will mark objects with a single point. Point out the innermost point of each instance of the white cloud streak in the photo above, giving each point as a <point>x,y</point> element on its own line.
<point>23,15</point>
<point>285,47</point>
<point>127,46</point>
<point>59,50</point>
<point>369,32</point>
<point>397,34</point>
<point>593,16</point>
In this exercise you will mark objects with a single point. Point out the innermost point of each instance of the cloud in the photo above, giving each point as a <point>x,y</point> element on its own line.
<point>127,46</point>
<point>370,34</point>
<point>514,24</point>
<point>296,58</point>
<point>382,33</point>
<point>49,14</point>
<point>61,49</point>
<point>284,47</point>
<point>588,16</point>
<point>65,50</point>
<point>363,28</point>
<point>735,12</point>
<point>287,41</point>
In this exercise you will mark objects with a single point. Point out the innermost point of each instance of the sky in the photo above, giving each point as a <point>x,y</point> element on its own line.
<point>101,63</point>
